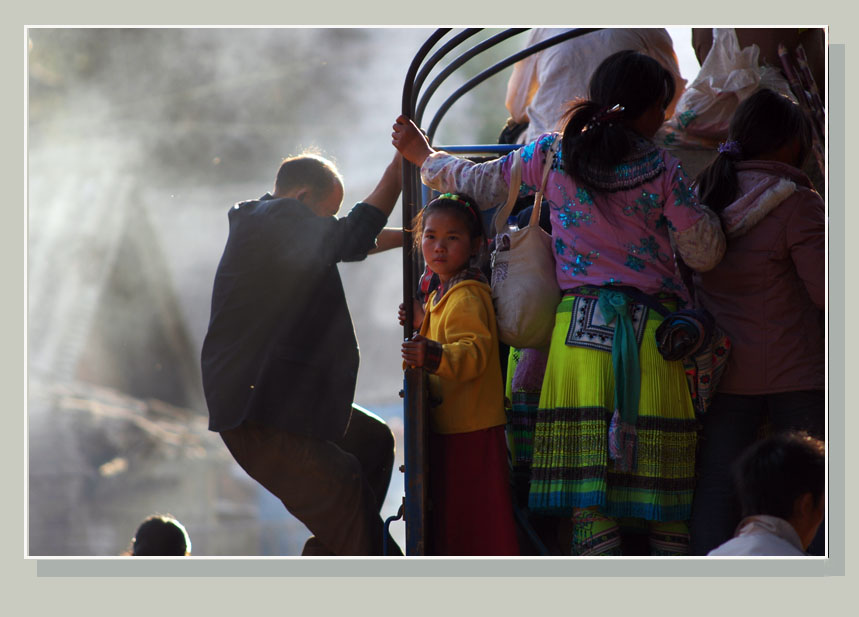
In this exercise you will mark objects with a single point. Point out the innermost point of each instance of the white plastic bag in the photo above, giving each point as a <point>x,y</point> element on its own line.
<point>727,76</point>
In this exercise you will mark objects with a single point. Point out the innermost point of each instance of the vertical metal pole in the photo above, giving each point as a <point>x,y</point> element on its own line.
<point>415,413</point>
<point>415,410</point>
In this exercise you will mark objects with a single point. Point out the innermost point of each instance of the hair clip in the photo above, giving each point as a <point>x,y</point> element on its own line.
<point>453,197</point>
<point>458,199</point>
<point>606,114</point>
<point>730,148</point>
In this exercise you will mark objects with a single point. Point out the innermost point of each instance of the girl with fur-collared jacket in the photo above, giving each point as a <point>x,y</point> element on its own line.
<point>768,294</point>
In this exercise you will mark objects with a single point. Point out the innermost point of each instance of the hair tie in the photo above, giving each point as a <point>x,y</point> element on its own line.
<point>458,199</point>
<point>605,115</point>
<point>731,149</point>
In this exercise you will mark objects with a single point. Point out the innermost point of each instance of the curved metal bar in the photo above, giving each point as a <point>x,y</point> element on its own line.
<point>415,413</point>
<point>458,62</point>
<point>433,61</point>
<point>500,66</point>
<point>411,180</point>
<point>408,87</point>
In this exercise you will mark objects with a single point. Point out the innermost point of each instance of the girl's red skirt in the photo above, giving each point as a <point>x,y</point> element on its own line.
<point>471,508</point>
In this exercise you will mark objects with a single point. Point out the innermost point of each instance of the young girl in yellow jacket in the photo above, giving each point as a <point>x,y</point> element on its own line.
<point>472,512</point>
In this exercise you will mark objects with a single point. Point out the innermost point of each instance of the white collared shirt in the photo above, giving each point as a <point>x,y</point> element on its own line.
<point>762,535</point>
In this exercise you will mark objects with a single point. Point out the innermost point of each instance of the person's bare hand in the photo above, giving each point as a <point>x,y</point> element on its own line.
<point>417,315</point>
<point>415,351</point>
<point>410,141</point>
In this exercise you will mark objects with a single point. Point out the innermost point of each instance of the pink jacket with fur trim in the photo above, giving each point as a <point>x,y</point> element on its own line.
<point>768,292</point>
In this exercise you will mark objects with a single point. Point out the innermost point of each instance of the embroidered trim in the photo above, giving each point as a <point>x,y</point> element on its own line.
<point>643,164</point>
<point>588,328</point>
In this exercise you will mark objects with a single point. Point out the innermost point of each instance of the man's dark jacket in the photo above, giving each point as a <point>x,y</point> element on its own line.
<point>281,348</point>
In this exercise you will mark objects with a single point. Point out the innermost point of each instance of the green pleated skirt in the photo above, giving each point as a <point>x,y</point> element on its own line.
<point>571,467</point>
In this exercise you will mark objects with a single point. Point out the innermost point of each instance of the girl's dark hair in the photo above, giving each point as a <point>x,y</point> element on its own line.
<point>464,207</point>
<point>627,78</point>
<point>764,122</point>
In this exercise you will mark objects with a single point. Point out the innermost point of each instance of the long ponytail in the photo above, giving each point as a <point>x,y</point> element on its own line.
<point>593,136</point>
<point>717,183</point>
<point>762,124</point>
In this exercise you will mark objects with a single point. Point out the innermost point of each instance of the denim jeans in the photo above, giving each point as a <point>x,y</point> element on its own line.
<point>732,424</point>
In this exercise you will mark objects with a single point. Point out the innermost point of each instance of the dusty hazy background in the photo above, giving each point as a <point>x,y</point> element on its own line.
<point>139,142</point>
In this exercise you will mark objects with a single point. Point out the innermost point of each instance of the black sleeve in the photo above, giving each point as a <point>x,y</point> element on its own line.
<point>314,243</point>
<point>363,223</point>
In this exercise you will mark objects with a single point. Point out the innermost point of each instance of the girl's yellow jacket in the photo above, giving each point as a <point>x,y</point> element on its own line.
<point>468,378</point>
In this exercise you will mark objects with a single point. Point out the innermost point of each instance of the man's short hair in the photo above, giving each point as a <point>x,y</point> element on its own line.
<point>307,170</point>
<point>773,473</point>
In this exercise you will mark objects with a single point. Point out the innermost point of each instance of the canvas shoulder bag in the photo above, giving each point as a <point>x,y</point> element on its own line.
<point>524,287</point>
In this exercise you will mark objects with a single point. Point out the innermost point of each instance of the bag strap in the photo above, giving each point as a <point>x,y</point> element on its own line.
<point>513,191</point>
<point>538,197</point>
